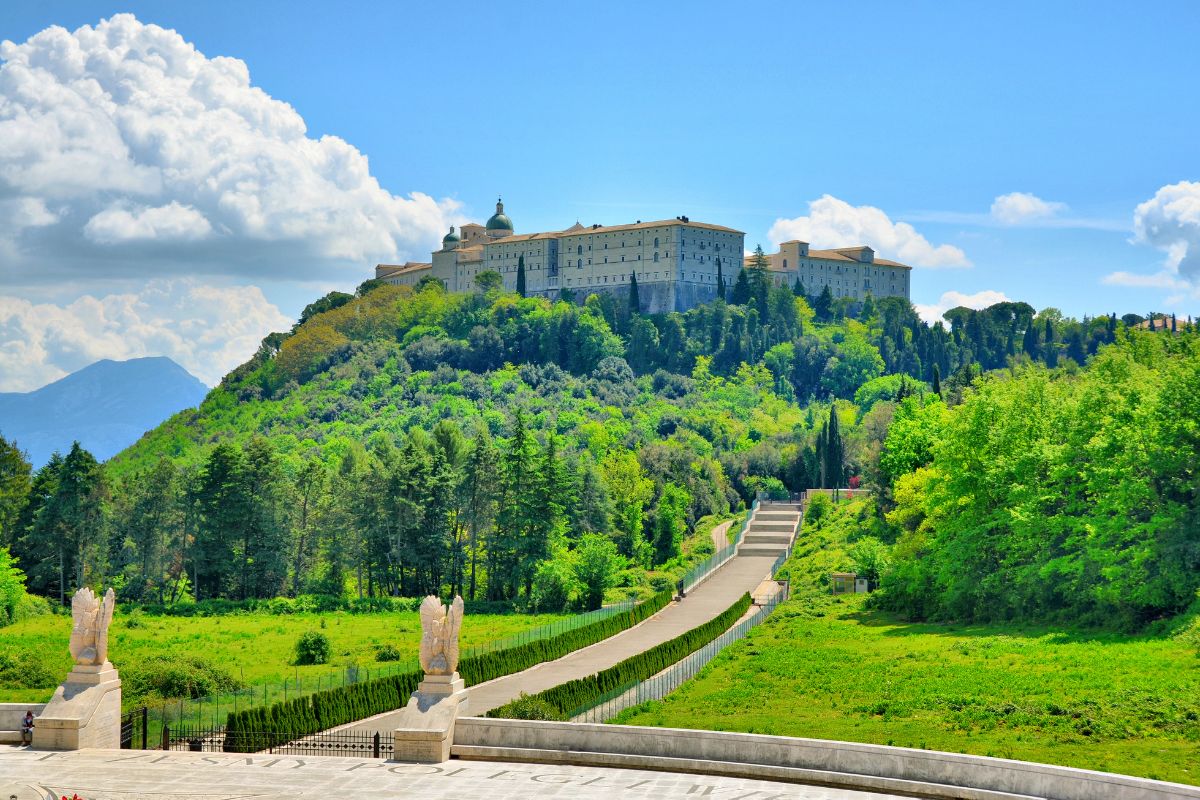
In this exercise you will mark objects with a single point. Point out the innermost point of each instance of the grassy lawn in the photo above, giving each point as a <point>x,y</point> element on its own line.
<point>829,668</point>
<point>257,648</point>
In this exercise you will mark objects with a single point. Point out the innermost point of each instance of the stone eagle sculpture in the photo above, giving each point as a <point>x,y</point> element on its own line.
<point>439,635</point>
<point>89,635</point>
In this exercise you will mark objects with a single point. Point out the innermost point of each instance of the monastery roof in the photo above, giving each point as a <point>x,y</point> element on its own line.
<point>637,226</point>
<point>398,269</point>
<point>834,255</point>
<point>524,237</point>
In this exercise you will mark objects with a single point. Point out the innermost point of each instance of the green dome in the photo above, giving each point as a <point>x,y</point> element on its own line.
<point>499,221</point>
<point>451,237</point>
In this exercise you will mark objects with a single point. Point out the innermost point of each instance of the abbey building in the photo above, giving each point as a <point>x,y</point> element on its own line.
<point>677,262</point>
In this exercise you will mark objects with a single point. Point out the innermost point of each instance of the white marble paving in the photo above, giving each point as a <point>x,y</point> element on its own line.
<point>137,775</point>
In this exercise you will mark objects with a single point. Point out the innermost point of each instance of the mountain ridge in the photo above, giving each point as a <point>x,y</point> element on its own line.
<point>106,406</point>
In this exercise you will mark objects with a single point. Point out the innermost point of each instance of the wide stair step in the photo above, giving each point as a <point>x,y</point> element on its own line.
<point>763,550</point>
<point>777,516</point>
<point>766,538</point>
<point>771,527</point>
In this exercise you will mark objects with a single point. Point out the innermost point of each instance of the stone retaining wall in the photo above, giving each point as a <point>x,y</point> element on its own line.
<point>925,773</point>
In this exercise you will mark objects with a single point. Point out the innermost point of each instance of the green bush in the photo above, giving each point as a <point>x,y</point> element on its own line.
<point>25,670</point>
<point>386,652</point>
<point>260,728</point>
<point>177,676</point>
<point>575,696</point>
<point>533,707</point>
<point>313,648</point>
<point>818,506</point>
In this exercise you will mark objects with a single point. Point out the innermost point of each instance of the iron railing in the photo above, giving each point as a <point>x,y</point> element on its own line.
<point>367,744</point>
<point>659,686</point>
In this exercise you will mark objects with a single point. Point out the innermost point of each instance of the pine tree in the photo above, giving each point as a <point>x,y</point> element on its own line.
<point>521,276</point>
<point>635,301</point>
<point>824,304</point>
<point>798,289</point>
<point>479,504</point>
<point>741,289</point>
<point>15,483</point>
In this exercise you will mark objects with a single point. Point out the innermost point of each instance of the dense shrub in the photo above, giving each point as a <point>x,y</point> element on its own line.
<point>259,728</point>
<point>177,676</point>
<point>534,707</point>
<point>574,696</point>
<point>386,652</point>
<point>313,648</point>
<point>25,670</point>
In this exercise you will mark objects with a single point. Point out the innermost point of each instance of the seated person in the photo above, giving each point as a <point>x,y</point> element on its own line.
<point>27,728</point>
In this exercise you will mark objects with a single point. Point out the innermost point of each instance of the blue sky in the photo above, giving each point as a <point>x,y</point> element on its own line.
<point>741,114</point>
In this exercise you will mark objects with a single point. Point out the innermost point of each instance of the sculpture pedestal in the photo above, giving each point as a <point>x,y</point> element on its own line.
<point>85,711</point>
<point>426,728</point>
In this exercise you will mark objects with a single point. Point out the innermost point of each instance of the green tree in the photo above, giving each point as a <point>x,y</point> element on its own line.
<point>521,275</point>
<point>15,484</point>
<point>824,304</point>
<point>635,300</point>
<point>488,281</point>
<point>720,281</point>
<point>223,505</point>
<point>741,294</point>
<point>670,522</point>
<point>597,565</point>
<point>835,452</point>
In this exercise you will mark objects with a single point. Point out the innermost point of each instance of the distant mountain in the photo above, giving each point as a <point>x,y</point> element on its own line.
<point>106,406</point>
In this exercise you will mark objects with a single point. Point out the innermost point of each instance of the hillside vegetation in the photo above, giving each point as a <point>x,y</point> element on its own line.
<point>839,668</point>
<point>401,441</point>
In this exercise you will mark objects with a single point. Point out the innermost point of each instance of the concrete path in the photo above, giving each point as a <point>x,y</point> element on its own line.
<point>738,576</point>
<point>137,775</point>
<point>720,536</point>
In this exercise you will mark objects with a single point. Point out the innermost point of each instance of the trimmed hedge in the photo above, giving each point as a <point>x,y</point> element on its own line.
<point>259,728</point>
<point>569,697</point>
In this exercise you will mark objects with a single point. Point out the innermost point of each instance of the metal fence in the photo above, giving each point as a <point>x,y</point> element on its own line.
<point>670,679</point>
<point>135,727</point>
<point>550,630</point>
<point>367,744</point>
<point>692,578</point>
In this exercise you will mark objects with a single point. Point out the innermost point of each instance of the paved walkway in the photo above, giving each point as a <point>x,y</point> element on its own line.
<point>137,775</point>
<point>720,536</point>
<point>738,576</point>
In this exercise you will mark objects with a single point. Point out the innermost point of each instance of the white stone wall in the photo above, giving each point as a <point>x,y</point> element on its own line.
<point>845,278</point>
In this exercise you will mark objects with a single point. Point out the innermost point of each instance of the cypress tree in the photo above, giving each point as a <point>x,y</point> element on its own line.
<point>834,452</point>
<point>635,300</point>
<point>1174,329</point>
<point>741,289</point>
<point>824,304</point>
<point>521,276</point>
<point>798,288</point>
<point>937,380</point>
<point>720,281</point>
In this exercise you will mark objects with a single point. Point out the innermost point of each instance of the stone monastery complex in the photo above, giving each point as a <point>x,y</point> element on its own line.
<point>676,261</point>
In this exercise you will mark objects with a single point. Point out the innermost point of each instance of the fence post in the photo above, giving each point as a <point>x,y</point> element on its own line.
<point>145,727</point>
<point>166,737</point>
<point>376,744</point>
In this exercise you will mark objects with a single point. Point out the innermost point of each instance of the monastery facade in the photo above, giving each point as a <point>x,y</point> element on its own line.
<point>676,262</point>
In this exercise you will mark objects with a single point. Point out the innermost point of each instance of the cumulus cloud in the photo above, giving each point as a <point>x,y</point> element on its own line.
<point>122,140</point>
<point>1016,208</point>
<point>207,329</point>
<point>1170,221</point>
<point>934,311</point>
<point>835,223</point>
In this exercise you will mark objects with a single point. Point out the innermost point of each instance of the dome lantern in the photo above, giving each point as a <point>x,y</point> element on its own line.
<point>499,224</point>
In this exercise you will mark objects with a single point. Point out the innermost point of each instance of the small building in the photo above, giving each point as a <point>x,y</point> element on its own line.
<point>848,583</point>
<point>842,582</point>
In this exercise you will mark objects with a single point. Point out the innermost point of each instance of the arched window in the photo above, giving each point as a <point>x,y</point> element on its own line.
<point>579,250</point>
<point>580,263</point>
<point>656,257</point>
<point>656,245</point>
<point>785,263</point>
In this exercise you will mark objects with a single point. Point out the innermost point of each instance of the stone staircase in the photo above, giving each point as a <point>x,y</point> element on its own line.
<point>771,529</point>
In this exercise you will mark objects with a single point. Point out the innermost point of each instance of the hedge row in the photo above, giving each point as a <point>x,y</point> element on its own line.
<point>303,604</point>
<point>572,696</point>
<point>259,728</point>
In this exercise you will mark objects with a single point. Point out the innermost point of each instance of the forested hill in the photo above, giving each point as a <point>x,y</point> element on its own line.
<point>402,441</point>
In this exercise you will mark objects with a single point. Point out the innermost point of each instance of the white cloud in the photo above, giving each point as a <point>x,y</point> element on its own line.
<point>835,223</point>
<point>122,140</point>
<point>207,329</point>
<point>933,312</point>
<point>1170,221</point>
<point>1016,208</point>
<point>171,222</point>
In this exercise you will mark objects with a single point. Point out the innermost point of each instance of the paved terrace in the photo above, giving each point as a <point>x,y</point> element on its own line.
<point>135,775</point>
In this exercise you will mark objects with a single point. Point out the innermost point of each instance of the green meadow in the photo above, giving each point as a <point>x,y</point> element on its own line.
<point>833,668</point>
<point>256,648</point>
